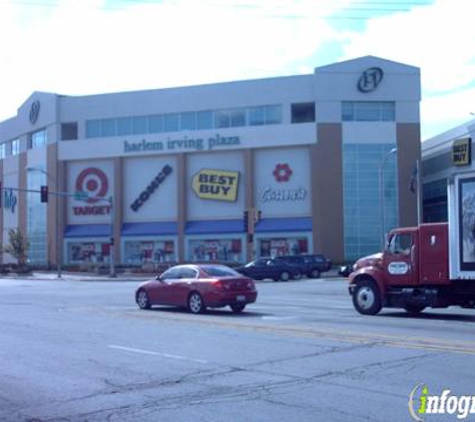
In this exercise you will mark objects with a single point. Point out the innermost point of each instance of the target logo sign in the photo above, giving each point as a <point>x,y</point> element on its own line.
<point>93,182</point>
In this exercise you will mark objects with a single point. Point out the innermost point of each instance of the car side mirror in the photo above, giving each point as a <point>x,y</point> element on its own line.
<point>158,277</point>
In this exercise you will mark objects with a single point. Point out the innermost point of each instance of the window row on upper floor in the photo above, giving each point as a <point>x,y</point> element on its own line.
<point>358,111</point>
<point>194,120</point>
<point>363,111</point>
<point>368,111</point>
<point>35,140</point>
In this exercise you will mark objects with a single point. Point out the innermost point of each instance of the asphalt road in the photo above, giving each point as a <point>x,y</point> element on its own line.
<point>83,351</point>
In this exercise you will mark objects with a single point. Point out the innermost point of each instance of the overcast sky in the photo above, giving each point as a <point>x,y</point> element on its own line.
<point>78,47</point>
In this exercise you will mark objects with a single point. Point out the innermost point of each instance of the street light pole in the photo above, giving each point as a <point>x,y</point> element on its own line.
<point>112,272</point>
<point>381,193</point>
<point>58,234</point>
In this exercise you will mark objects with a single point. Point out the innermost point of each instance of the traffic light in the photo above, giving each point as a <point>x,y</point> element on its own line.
<point>257,215</point>
<point>246,220</point>
<point>44,193</point>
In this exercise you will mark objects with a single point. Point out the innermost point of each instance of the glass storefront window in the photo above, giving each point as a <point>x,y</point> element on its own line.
<point>256,116</point>
<point>204,120</point>
<point>368,111</point>
<point>171,122</point>
<point>139,125</point>
<point>38,139</point>
<point>282,246</point>
<point>188,121</point>
<point>216,250</point>
<point>238,117</point>
<point>273,114</point>
<point>141,252</point>
<point>88,253</point>
<point>15,147</point>
<point>362,192</point>
<point>124,126</point>
<point>36,218</point>
<point>155,124</point>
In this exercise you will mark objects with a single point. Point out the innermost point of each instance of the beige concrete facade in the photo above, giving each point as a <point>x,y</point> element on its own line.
<point>327,188</point>
<point>313,150</point>
<point>408,151</point>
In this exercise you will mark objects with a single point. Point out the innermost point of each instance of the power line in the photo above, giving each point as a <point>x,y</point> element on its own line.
<point>399,6</point>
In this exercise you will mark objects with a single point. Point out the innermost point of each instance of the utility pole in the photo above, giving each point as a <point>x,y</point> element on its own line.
<point>112,272</point>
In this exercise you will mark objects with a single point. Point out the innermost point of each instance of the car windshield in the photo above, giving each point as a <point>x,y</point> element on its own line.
<point>257,262</point>
<point>219,271</point>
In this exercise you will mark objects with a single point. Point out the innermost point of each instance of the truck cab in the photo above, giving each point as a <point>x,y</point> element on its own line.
<point>412,273</point>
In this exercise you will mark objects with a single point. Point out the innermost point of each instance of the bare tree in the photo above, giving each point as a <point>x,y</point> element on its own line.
<point>18,246</point>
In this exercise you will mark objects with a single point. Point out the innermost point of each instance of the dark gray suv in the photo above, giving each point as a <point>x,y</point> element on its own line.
<point>310,265</point>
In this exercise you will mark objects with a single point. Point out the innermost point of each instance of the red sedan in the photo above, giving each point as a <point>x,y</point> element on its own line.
<point>198,287</point>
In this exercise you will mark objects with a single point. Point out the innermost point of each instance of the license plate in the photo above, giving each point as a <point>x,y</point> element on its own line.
<point>240,298</point>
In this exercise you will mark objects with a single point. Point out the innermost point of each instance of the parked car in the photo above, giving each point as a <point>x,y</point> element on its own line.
<point>198,287</point>
<point>310,265</point>
<point>270,268</point>
<point>345,270</point>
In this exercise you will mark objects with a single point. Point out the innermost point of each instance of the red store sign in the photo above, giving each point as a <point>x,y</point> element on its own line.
<point>93,182</point>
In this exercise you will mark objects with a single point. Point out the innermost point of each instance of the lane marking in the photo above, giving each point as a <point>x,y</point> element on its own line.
<point>423,343</point>
<point>277,318</point>
<point>150,352</point>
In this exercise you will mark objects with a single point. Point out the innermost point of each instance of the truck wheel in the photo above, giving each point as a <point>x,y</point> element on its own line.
<point>367,298</point>
<point>414,309</point>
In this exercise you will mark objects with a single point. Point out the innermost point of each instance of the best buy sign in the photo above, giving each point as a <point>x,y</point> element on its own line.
<point>219,185</point>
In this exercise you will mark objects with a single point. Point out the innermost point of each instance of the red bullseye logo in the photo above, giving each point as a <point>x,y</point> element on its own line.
<point>282,172</point>
<point>93,182</point>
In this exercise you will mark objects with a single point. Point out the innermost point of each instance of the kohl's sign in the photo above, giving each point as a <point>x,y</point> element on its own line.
<point>9,200</point>
<point>151,188</point>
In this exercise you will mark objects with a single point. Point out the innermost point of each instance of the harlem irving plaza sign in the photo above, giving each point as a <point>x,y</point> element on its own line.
<point>185,143</point>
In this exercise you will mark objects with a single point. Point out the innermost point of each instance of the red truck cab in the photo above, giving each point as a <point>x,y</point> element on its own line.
<point>412,273</point>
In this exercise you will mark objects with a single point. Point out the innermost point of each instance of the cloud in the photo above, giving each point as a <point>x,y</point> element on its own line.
<point>97,46</point>
<point>438,39</point>
<point>86,47</point>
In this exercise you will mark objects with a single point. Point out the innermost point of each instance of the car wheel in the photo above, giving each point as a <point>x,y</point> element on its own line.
<point>285,276</point>
<point>367,298</point>
<point>237,308</point>
<point>195,303</point>
<point>297,276</point>
<point>315,273</point>
<point>142,299</point>
<point>414,309</point>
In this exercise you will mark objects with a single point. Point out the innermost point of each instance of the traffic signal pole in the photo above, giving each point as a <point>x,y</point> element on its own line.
<point>251,217</point>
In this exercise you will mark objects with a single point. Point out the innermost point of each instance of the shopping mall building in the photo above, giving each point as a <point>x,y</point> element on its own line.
<point>168,173</point>
<point>444,156</point>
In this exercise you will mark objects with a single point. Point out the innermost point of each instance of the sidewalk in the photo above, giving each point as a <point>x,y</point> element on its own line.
<point>126,276</point>
<point>67,276</point>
